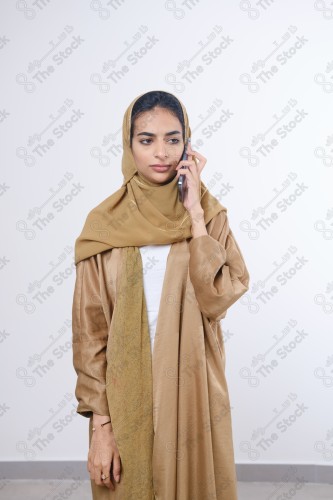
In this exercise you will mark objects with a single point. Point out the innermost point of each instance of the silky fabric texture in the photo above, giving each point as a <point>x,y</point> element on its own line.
<point>138,213</point>
<point>193,454</point>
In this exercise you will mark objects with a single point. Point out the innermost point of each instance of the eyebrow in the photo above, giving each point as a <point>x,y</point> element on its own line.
<point>154,135</point>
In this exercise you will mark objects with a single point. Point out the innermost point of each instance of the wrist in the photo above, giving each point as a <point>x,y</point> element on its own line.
<point>100,419</point>
<point>197,215</point>
<point>198,227</point>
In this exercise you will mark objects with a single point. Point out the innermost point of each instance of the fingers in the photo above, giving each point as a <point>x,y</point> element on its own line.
<point>100,463</point>
<point>192,152</point>
<point>190,170</point>
<point>104,459</point>
<point>116,470</point>
<point>100,469</point>
<point>98,472</point>
<point>198,159</point>
<point>110,468</point>
<point>185,163</point>
<point>195,165</point>
<point>112,472</point>
<point>107,471</point>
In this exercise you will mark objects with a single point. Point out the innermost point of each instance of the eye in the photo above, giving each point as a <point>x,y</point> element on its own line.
<point>174,139</point>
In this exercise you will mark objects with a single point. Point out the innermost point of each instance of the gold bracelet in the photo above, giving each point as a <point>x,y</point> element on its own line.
<point>94,428</point>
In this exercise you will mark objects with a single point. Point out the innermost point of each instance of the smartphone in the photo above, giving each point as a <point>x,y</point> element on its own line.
<point>182,178</point>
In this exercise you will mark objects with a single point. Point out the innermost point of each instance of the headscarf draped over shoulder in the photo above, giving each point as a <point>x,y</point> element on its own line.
<point>140,213</point>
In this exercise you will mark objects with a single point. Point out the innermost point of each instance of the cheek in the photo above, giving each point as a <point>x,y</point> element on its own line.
<point>144,158</point>
<point>138,155</point>
<point>176,157</point>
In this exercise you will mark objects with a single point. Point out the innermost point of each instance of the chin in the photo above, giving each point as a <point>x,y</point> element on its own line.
<point>169,179</point>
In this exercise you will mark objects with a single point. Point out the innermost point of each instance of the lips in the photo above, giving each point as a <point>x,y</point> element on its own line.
<point>160,168</point>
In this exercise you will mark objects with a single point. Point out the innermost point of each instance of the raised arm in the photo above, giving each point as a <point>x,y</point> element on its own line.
<point>217,269</point>
<point>89,340</point>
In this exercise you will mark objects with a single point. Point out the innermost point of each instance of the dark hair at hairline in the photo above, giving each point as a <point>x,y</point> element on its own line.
<point>157,98</point>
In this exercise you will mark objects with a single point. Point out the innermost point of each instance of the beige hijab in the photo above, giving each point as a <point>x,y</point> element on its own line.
<point>137,214</point>
<point>140,213</point>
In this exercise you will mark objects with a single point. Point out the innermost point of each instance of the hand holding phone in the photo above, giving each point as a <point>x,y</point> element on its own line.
<point>182,178</point>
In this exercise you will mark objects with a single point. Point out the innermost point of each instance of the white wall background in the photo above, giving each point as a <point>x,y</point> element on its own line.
<point>256,79</point>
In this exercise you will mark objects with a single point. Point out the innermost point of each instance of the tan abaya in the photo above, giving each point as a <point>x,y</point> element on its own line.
<point>193,457</point>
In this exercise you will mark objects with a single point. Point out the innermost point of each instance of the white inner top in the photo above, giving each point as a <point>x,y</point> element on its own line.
<point>154,259</point>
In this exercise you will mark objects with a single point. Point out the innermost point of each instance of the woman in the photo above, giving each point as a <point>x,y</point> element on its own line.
<point>147,343</point>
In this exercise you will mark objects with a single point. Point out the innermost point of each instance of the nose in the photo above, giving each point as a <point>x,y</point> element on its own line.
<point>161,150</point>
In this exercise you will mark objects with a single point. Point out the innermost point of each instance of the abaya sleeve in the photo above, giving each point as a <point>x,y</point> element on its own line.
<point>217,269</point>
<point>89,340</point>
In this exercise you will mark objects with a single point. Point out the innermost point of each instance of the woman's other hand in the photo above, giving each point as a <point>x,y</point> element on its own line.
<point>102,453</point>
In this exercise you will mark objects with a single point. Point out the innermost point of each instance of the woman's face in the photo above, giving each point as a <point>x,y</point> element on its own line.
<point>157,140</point>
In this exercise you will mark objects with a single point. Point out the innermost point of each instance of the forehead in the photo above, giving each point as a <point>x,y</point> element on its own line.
<point>157,118</point>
